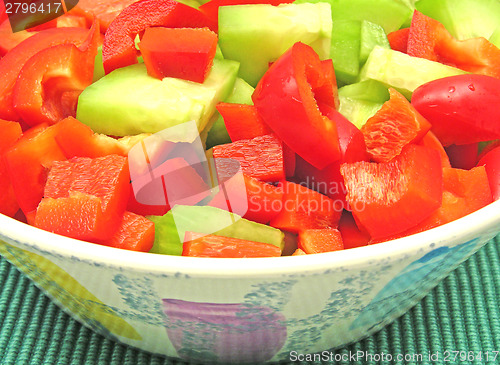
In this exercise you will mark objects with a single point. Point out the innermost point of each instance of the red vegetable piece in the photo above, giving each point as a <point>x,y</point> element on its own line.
<point>303,208</point>
<point>398,40</point>
<point>134,206</point>
<point>28,162</point>
<point>119,47</point>
<point>105,11</point>
<point>77,140</point>
<point>12,63</point>
<point>242,121</point>
<point>298,252</point>
<point>211,8</point>
<point>462,109</point>
<point>391,197</point>
<point>185,53</point>
<point>429,39</point>
<point>393,126</point>
<point>430,140</point>
<point>320,240</point>
<point>260,157</point>
<point>491,162</point>
<point>199,245</point>
<point>10,132</point>
<point>352,235</point>
<point>9,39</point>
<point>292,112</point>
<point>106,178</point>
<point>77,215</point>
<point>50,74</point>
<point>135,233</point>
<point>464,156</point>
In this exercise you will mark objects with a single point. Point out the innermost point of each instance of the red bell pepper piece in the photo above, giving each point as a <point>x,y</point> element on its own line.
<point>135,233</point>
<point>78,215</point>
<point>77,140</point>
<point>462,109</point>
<point>430,140</point>
<point>105,11</point>
<point>260,157</point>
<point>199,245</point>
<point>303,208</point>
<point>391,197</point>
<point>287,99</point>
<point>429,39</point>
<point>464,156</point>
<point>134,206</point>
<point>28,162</point>
<point>119,47</point>
<point>298,252</point>
<point>51,73</point>
<point>184,53</point>
<point>211,8</point>
<point>9,39</point>
<point>12,63</point>
<point>491,162</point>
<point>106,178</point>
<point>398,40</point>
<point>352,235</point>
<point>320,240</point>
<point>393,126</point>
<point>329,181</point>
<point>10,132</point>
<point>242,121</point>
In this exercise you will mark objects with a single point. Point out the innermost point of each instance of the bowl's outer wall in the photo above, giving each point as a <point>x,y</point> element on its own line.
<point>237,319</point>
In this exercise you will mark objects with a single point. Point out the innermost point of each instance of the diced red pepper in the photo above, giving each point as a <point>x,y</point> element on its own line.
<point>464,156</point>
<point>78,215</point>
<point>491,162</point>
<point>352,235</point>
<point>104,10</point>
<point>135,233</point>
<point>10,132</point>
<point>320,240</point>
<point>391,197</point>
<point>77,140</point>
<point>430,140</point>
<point>51,73</point>
<point>184,53</point>
<point>287,99</point>
<point>264,201</point>
<point>398,40</point>
<point>298,252</point>
<point>199,245</point>
<point>303,208</point>
<point>393,126</point>
<point>9,39</point>
<point>134,206</point>
<point>12,63</point>
<point>429,39</point>
<point>28,162</point>
<point>211,8</point>
<point>106,178</point>
<point>242,121</point>
<point>119,47</point>
<point>329,181</point>
<point>260,157</point>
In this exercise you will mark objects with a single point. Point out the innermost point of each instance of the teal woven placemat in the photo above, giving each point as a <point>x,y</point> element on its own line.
<point>459,318</point>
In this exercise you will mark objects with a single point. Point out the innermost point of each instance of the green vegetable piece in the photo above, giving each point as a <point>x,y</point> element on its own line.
<point>368,90</point>
<point>358,111</point>
<point>258,34</point>
<point>464,19</point>
<point>242,94</point>
<point>98,65</point>
<point>128,101</point>
<point>209,220</point>
<point>371,35</point>
<point>390,14</point>
<point>495,37</point>
<point>345,48</point>
<point>402,72</point>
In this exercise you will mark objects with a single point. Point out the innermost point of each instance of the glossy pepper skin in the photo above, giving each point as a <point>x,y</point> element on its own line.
<point>119,47</point>
<point>287,99</point>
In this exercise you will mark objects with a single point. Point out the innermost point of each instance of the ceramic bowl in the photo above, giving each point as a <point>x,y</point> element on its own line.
<point>242,310</point>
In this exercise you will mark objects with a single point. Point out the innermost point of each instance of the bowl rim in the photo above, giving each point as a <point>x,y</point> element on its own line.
<point>465,228</point>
